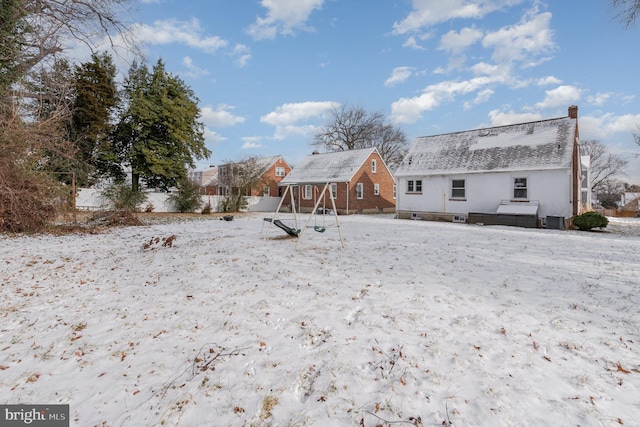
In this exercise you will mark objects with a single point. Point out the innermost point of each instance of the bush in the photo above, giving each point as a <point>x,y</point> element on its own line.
<point>187,199</point>
<point>122,197</point>
<point>589,220</point>
<point>233,203</point>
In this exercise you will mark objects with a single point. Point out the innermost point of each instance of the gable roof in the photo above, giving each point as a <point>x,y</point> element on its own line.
<point>338,166</point>
<point>545,144</point>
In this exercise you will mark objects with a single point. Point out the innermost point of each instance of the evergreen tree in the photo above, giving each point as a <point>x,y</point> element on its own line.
<point>159,133</point>
<point>91,123</point>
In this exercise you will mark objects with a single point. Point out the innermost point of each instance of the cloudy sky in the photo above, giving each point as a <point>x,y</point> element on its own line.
<point>266,72</point>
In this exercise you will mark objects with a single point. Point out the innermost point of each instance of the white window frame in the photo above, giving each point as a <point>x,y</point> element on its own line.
<point>280,170</point>
<point>308,192</point>
<point>414,186</point>
<point>516,187</point>
<point>374,166</point>
<point>360,191</point>
<point>395,190</point>
<point>457,189</point>
<point>334,190</point>
<point>266,191</point>
<point>376,189</point>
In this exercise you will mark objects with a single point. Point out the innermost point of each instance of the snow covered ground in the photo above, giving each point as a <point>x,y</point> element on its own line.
<point>412,323</point>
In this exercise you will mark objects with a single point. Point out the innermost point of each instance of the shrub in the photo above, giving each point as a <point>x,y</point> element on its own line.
<point>122,197</point>
<point>233,203</point>
<point>589,220</point>
<point>187,199</point>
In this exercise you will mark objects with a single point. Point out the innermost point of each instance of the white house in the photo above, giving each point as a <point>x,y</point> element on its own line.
<point>528,170</point>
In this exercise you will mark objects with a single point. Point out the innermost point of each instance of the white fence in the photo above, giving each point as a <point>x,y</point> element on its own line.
<point>89,199</point>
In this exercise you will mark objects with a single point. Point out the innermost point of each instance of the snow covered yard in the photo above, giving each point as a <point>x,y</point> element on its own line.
<point>413,323</point>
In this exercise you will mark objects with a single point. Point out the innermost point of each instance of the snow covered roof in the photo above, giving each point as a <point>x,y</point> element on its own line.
<point>545,144</point>
<point>339,166</point>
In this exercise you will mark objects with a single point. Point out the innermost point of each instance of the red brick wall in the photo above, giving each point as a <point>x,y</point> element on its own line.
<point>369,201</point>
<point>271,180</point>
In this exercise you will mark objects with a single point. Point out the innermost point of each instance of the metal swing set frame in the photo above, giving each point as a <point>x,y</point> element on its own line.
<point>295,231</point>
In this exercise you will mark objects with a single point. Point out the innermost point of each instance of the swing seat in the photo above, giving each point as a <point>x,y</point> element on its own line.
<point>319,229</point>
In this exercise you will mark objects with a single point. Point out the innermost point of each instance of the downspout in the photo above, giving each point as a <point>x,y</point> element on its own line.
<point>347,184</point>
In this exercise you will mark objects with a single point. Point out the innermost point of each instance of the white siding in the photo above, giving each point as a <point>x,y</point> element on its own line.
<point>485,191</point>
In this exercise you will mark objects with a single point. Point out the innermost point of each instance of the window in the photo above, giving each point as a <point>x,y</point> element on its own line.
<point>395,190</point>
<point>520,190</point>
<point>414,186</point>
<point>307,192</point>
<point>359,190</point>
<point>373,166</point>
<point>334,190</point>
<point>376,189</point>
<point>457,189</point>
<point>266,191</point>
<point>279,171</point>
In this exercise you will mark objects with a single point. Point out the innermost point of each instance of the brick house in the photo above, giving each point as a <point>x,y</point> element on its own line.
<point>271,170</point>
<point>359,181</point>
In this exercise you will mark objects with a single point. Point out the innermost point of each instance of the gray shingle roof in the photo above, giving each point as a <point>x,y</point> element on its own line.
<point>545,144</point>
<point>339,166</point>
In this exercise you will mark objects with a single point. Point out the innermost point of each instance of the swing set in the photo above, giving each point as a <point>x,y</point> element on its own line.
<point>294,230</point>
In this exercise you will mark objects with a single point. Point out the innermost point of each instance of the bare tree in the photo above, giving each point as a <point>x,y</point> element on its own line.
<point>238,179</point>
<point>352,128</point>
<point>628,11</point>
<point>608,192</point>
<point>604,165</point>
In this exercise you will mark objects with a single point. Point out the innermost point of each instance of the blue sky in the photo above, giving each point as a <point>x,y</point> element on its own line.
<point>266,72</point>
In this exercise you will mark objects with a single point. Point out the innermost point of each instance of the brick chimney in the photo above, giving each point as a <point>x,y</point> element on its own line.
<point>576,163</point>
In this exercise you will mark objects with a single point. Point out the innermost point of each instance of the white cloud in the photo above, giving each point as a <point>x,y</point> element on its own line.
<point>242,54</point>
<point>609,124</point>
<point>251,142</point>
<point>212,136</point>
<point>481,97</point>
<point>500,118</point>
<point>409,110</point>
<point>548,81</point>
<point>426,13</point>
<point>412,43</point>
<point>398,75</point>
<point>284,17</point>
<point>599,98</point>
<point>522,42</point>
<point>220,116</point>
<point>458,42</point>
<point>192,70</point>
<point>170,31</point>
<point>288,117</point>
<point>564,95</point>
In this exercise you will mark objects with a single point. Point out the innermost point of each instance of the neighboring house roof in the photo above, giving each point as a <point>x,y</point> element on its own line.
<point>338,166</point>
<point>263,162</point>
<point>545,144</point>
<point>213,179</point>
